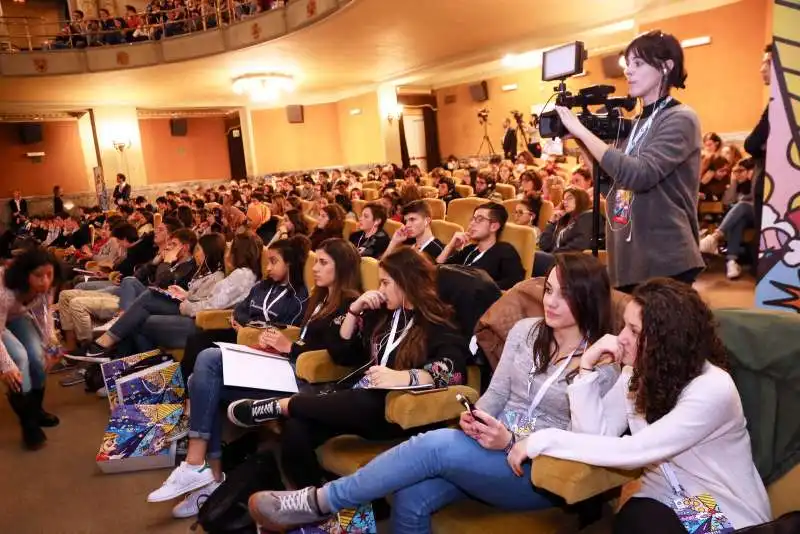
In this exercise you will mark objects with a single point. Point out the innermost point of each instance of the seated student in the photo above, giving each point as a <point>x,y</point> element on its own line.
<point>526,213</point>
<point>280,299</point>
<point>500,260</point>
<point>485,186</point>
<point>417,231</point>
<point>569,230</point>
<point>447,190</point>
<point>740,217</point>
<point>407,335</point>
<point>154,316</point>
<point>337,286</point>
<point>292,224</point>
<point>688,430</point>
<point>528,392</point>
<point>370,240</point>
<point>330,224</point>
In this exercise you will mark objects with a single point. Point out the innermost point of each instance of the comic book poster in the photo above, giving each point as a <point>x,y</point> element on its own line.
<point>128,365</point>
<point>162,384</point>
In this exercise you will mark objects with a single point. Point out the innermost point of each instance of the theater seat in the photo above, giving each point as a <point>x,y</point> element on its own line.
<point>371,194</point>
<point>473,517</point>
<point>350,226</point>
<point>464,190</point>
<point>311,222</point>
<point>390,227</point>
<point>437,207</point>
<point>428,192</point>
<point>460,210</point>
<point>371,184</point>
<point>444,230</point>
<point>545,212</point>
<point>507,191</point>
<point>358,205</point>
<point>523,239</point>
<point>369,274</point>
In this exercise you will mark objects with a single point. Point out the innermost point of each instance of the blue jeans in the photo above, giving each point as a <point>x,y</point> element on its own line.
<point>129,289</point>
<point>206,391</point>
<point>24,344</point>
<point>432,470</point>
<point>140,310</point>
<point>95,285</point>
<point>740,217</point>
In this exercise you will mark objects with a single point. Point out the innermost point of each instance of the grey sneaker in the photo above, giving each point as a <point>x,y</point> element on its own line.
<point>77,377</point>
<point>278,510</point>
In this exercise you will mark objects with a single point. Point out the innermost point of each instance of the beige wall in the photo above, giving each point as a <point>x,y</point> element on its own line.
<point>360,135</point>
<point>723,86</point>
<point>202,154</point>
<point>280,146</point>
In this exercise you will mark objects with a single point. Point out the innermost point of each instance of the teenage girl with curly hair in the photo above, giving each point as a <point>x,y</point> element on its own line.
<point>688,431</point>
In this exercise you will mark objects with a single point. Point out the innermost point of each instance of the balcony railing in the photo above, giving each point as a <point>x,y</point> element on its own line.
<point>33,33</point>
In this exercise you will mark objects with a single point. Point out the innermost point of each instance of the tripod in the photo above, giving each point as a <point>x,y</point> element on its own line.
<point>486,140</point>
<point>597,217</point>
<point>522,135</point>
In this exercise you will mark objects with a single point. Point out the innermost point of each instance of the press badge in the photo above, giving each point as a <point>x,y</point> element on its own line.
<point>622,207</point>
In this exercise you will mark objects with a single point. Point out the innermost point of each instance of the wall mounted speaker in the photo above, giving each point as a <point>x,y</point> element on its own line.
<point>294,114</point>
<point>30,133</point>
<point>178,127</point>
<point>479,91</point>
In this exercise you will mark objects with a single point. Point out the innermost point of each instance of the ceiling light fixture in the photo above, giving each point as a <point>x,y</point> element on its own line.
<point>263,86</point>
<point>696,41</point>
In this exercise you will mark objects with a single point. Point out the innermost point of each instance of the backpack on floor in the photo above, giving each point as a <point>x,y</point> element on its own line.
<point>225,511</point>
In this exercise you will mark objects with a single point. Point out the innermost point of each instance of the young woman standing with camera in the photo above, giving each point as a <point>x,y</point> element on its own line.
<point>652,203</point>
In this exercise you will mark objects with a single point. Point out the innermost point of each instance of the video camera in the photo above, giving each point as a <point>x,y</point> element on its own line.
<point>517,116</point>
<point>483,115</point>
<point>565,61</point>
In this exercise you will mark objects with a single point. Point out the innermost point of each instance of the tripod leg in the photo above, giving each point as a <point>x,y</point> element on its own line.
<point>491,147</point>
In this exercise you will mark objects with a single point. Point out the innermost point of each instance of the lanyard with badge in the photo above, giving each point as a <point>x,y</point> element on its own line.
<point>426,243</point>
<point>623,199</point>
<point>537,399</point>
<point>698,513</point>
<point>305,328</point>
<point>267,307</point>
<point>394,340</point>
<point>476,259</point>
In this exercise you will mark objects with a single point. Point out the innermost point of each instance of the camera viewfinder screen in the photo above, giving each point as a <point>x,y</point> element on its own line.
<point>562,62</point>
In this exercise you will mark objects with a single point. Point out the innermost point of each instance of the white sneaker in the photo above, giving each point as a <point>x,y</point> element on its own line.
<point>183,479</point>
<point>102,393</point>
<point>106,326</point>
<point>190,505</point>
<point>709,245</point>
<point>733,270</point>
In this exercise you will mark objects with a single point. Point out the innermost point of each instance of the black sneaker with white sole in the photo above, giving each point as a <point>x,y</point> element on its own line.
<point>94,354</point>
<point>247,413</point>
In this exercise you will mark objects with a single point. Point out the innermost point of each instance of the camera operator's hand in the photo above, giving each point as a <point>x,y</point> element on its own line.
<point>570,121</point>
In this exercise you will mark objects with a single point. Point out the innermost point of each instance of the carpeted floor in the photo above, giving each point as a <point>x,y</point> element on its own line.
<point>59,490</point>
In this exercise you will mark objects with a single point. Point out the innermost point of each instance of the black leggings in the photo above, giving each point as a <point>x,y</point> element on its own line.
<point>647,516</point>
<point>314,419</point>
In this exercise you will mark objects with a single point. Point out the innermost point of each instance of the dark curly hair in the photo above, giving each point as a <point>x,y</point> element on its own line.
<point>679,334</point>
<point>17,273</point>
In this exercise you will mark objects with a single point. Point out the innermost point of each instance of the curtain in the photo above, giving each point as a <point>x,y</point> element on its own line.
<point>406,161</point>
<point>434,155</point>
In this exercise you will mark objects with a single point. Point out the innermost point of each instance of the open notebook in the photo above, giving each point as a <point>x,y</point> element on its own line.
<point>245,367</point>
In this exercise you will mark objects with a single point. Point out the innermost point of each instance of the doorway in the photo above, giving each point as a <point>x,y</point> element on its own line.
<point>414,125</point>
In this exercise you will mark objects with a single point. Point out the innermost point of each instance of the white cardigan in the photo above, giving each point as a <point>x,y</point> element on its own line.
<point>704,438</point>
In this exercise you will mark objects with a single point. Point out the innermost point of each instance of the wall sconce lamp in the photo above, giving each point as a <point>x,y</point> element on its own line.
<point>395,114</point>
<point>120,145</point>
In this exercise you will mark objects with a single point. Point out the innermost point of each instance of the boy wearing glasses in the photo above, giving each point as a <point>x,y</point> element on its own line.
<point>500,260</point>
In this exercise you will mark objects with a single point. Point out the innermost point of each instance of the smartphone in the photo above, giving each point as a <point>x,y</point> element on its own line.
<point>468,405</point>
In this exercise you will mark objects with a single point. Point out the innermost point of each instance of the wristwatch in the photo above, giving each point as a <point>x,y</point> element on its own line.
<point>511,443</point>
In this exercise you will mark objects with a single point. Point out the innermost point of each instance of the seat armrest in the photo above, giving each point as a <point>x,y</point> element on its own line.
<point>422,408</point>
<point>248,336</point>
<point>317,367</point>
<point>576,481</point>
<point>213,319</point>
<point>292,333</point>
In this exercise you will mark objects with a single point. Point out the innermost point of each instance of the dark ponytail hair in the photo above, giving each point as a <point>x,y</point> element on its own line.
<point>294,252</point>
<point>656,48</point>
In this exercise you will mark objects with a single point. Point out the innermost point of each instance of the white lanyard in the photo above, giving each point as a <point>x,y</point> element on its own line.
<point>672,478</point>
<point>476,259</point>
<point>266,308</point>
<point>635,136</point>
<point>426,243</point>
<point>537,399</point>
<point>305,328</point>
<point>392,343</point>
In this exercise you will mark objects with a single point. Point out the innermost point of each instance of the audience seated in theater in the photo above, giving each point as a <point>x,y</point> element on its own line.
<point>526,213</point>
<point>447,190</point>
<point>393,204</point>
<point>370,240</point>
<point>292,224</point>
<point>530,183</point>
<point>330,223</point>
<point>409,334</point>
<point>416,232</point>
<point>582,179</point>
<point>484,186</point>
<point>569,229</point>
<point>530,391</point>
<point>500,260</point>
<point>681,406</point>
<point>155,317</point>
<point>740,217</point>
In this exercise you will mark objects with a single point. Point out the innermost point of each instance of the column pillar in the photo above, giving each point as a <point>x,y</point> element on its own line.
<point>387,104</point>
<point>119,145</point>
<point>91,154</point>
<point>248,140</point>
<point>779,255</point>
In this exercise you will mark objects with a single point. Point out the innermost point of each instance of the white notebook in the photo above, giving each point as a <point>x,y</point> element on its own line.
<point>245,367</point>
